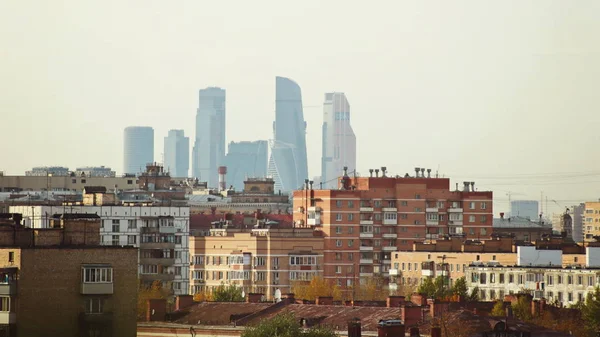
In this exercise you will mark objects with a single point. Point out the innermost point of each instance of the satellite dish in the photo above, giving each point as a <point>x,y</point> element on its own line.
<point>243,294</point>
<point>277,295</point>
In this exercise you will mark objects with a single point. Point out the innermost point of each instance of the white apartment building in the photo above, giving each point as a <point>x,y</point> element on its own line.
<point>538,272</point>
<point>160,232</point>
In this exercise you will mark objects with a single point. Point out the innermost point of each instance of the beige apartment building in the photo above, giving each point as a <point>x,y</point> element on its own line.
<point>262,259</point>
<point>591,223</point>
<point>63,183</point>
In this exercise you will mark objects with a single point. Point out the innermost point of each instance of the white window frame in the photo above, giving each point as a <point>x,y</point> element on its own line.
<point>97,274</point>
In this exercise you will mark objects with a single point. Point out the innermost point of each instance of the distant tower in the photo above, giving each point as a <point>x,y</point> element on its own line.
<point>288,164</point>
<point>209,145</point>
<point>339,141</point>
<point>138,148</point>
<point>177,154</point>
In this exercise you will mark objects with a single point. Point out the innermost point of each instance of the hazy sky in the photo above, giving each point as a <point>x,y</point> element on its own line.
<point>504,93</point>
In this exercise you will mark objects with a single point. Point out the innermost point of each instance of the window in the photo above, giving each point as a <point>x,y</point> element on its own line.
<point>350,217</point>
<point>549,280</point>
<point>501,278</point>
<point>378,203</point>
<point>492,278</point>
<point>177,270</point>
<point>403,266</point>
<point>580,280</point>
<point>338,243</point>
<point>483,231</point>
<point>404,203</point>
<point>417,209</point>
<point>338,217</point>
<point>131,239</point>
<point>417,222</point>
<point>149,269</point>
<point>4,303</point>
<point>482,278</point>
<point>570,297</point>
<point>590,281</point>
<point>377,216</point>
<point>338,269</point>
<point>520,279</point>
<point>94,305</point>
<point>483,218</point>
<point>376,230</point>
<point>115,240</point>
<point>351,256</point>
<point>432,217</point>
<point>471,218</point>
<point>99,274</point>
<point>350,243</point>
<point>338,256</point>
<point>483,205</point>
<point>441,216</point>
<point>559,279</point>
<point>131,224</point>
<point>338,230</point>
<point>338,204</point>
<point>350,230</point>
<point>11,257</point>
<point>472,205</point>
<point>417,196</point>
<point>350,204</point>
<point>83,181</point>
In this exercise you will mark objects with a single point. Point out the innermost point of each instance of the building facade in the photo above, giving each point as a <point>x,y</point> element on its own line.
<point>246,160</point>
<point>591,226</point>
<point>339,141</point>
<point>138,148</point>
<point>540,274</point>
<point>160,232</point>
<point>370,218</point>
<point>64,183</point>
<point>44,171</point>
<point>95,171</point>
<point>209,145</point>
<point>59,282</point>
<point>288,163</point>
<point>528,209</point>
<point>578,215</point>
<point>177,153</point>
<point>261,259</point>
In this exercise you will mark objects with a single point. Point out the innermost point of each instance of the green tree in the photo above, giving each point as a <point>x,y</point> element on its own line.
<point>229,293</point>
<point>498,309</point>
<point>474,296</point>
<point>434,288</point>
<point>427,287</point>
<point>460,288</point>
<point>591,310</point>
<point>145,293</point>
<point>522,308</point>
<point>285,325</point>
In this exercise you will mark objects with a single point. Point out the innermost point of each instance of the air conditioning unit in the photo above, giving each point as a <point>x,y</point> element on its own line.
<point>275,267</point>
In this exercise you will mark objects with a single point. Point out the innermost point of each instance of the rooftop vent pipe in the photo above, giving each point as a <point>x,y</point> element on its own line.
<point>371,172</point>
<point>383,171</point>
<point>466,186</point>
<point>376,173</point>
<point>422,172</point>
<point>428,173</point>
<point>472,186</point>
<point>417,169</point>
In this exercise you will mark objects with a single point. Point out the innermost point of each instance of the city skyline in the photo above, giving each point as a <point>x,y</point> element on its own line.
<point>138,148</point>
<point>211,125</point>
<point>177,153</point>
<point>458,91</point>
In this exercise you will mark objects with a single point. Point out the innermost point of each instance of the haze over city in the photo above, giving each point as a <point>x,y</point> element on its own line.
<point>502,94</point>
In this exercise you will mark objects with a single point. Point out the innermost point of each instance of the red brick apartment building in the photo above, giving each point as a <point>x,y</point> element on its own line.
<point>368,218</point>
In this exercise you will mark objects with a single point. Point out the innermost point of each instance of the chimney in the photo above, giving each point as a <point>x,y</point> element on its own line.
<point>354,328</point>
<point>414,332</point>
<point>305,184</point>
<point>417,169</point>
<point>422,173</point>
<point>390,328</point>
<point>436,331</point>
<point>156,310</point>
<point>371,172</point>
<point>509,312</point>
<point>376,173</point>
<point>457,186</point>
<point>310,183</point>
<point>383,170</point>
<point>183,302</point>
<point>394,301</point>
<point>466,186</point>
<point>472,186</point>
<point>290,298</point>
<point>222,183</point>
<point>254,297</point>
<point>428,173</point>
<point>324,300</point>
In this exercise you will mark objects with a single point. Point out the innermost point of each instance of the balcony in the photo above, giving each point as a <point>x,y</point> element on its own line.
<point>104,317</point>
<point>427,272</point>
<point>148,230</point>
<point>388,261</point>
<point>389,248</point>
<point>157,245</point>
<point>97,288</point>
<point>8,288</point>
<point>167,229</point>
<point>157,277</point>
<point>366,235</point>
<point>390,209</point>
<point>390,235</point>
<point>455,223</point>
<point>432,236</point>
<point>431,209</point>
<point>366,248</point>
<point>366,261</point>
<point>366,209</point>
<point>366,274</point>
<point>366,222</point>
<point>432,223</point>
<point>314,222</point>
<point>8,317</point>
<point>158,261</point>
<point>314,209</point>
<point>390,221</point>
<point>455,210</point>
<point>198,281</point>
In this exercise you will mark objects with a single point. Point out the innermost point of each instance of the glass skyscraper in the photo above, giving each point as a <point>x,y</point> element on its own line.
<point>138,149</point>
<point>177,154</point>
<point>288,163</point>
<point>209,146</point>
<point>245,160</point>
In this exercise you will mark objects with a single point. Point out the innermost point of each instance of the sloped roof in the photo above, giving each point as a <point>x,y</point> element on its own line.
<point>219,313</point>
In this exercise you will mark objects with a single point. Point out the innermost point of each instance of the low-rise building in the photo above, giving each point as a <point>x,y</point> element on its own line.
<point>540,273</point>
<point>59,282</point>
<point>260,255</point>
<point>521,229</point>
<point>591,226</point>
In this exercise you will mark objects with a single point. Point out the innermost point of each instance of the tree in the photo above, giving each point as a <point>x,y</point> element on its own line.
<point>145,293</point>
<point>434,288</point>
<point>460,288</point>
<point>474,296</point>
<point>591,310</point>
<point>202,296</point>
<point>229,293</point>
<point>372,290</point>
<point>522,308</point>
<point>498,309</point>
<point>318,286</point>
<point>427,287</point>
<point>285,325</point>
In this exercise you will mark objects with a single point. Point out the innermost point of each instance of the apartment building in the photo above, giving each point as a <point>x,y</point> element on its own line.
<point>263,256</point>
<point>591,225</point>
<point>160,232</point>
<point>538,272</point>
<point>59,282</point>
<point>369,218</point>
<point>451,257</point>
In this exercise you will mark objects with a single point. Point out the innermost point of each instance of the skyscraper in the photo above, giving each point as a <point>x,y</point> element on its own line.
<point>525,208</point>
<point>288,162</point>
<point>339,141</point>
<point>245,160</point>
<point>209,147</point>
<point>177,153</point>
<point>138,149</point>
